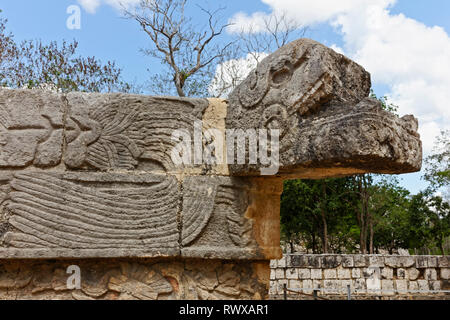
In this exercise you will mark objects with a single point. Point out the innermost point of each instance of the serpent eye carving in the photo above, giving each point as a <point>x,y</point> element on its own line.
<point>254,89</point>
<point>281,74</point>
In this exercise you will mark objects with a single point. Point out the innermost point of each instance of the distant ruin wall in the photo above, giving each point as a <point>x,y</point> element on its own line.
<point>369,276</point>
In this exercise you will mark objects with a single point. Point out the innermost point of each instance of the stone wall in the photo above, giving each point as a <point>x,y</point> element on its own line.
<point>369,276</point>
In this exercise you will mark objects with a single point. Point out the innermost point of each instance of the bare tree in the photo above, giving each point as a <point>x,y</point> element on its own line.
<point>255,42</point>
<point>230,73</point>
<point>271,33</point>
<point>189,51</point>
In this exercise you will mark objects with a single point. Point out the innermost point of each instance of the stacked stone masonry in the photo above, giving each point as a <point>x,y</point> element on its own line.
<point>369,276</point>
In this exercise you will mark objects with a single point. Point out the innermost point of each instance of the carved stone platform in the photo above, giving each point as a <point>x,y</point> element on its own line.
<point>93,176</point>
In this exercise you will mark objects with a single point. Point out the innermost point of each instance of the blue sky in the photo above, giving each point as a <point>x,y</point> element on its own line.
<point>398,24</point>
<point>104,34</point>
<point>108,36</point>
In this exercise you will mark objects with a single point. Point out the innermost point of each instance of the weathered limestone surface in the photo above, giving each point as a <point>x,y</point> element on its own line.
<point>81,214</point>
<point>318,99</point>
<point>93,176</point>
<point>135,279</point>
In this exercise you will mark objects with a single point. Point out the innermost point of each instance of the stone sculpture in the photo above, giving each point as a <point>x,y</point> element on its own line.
<point>85,175</point>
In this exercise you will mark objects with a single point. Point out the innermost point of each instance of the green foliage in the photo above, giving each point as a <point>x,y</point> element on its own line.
<point>32,64</point>
<point>303,205</point>
<point>385,103</point>
<point>429,221</point>
<point>397,219</point>
<point>389,204</point>
<point>8,52</point>
<point>437,171</point>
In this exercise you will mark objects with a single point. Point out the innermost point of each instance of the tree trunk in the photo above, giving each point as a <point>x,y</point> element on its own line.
<point>362,244</point>
<point>179,84</point>
<point>325,233</point>
<point>367,218</point>
<point>314,249</point>
<point>324,219</point>
<point>371,237</point>
<point>363,217</point>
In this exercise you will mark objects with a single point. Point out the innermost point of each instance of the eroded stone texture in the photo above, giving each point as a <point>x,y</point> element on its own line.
<point>129,132</point>
<point>92,214</point>
<point>213,218</point>
<point>112,214</point>
<point>230,217</point>
<point>31,129</point>
<point>301,76</point>
<point>135,279</point>
<point>318,99</point>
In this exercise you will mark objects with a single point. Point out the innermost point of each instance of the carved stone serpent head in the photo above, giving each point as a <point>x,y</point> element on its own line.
<point>319,100</point>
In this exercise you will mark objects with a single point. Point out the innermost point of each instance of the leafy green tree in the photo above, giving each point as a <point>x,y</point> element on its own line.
<point>429,221</point>
<point>8,52</point>
<point>418,224</point>
<point>297,216</point>
<point>339,203</point>
<point>389,204</point>
<point>302,216</point>
<point>439,217</point>
<point>33,64</point>
<point>314,214</point>
<point>437,171</point>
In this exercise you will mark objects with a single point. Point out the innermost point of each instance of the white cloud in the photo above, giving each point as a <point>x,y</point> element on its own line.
<point>429,130</point>
<point>410,58</point>
<point>232,72</point>
<point>91,6</point>
<point>308,12</point>
<point>337,49</point>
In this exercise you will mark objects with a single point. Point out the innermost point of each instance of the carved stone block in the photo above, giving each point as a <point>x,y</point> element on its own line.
<point>31,129</point>
<point>55,215</point>
<point>129,279</point>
